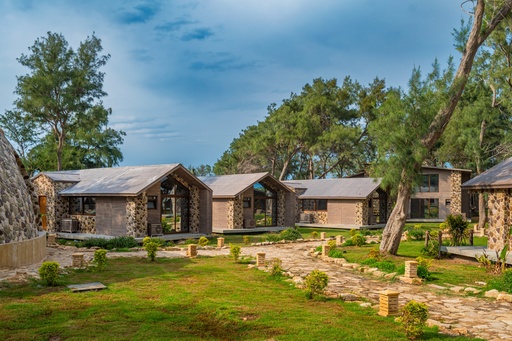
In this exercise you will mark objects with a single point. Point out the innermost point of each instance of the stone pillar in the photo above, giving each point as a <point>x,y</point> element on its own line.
<point>323,235</point>
<point>388,303</point>
<point>339,240</point>
<point>325,250</point>
<point>456,193</point>
<point>260,259</point>
<point>220,242</point>
<point>78,260</point>
<point>499,219</point>
<point>192,251</point>
<point>51,239</point>
<point>411,269</point>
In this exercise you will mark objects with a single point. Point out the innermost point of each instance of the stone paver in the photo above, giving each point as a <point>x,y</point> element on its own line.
<point>449,308</point>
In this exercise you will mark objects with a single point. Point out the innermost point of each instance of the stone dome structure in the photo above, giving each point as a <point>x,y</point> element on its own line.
<point>19,211</point>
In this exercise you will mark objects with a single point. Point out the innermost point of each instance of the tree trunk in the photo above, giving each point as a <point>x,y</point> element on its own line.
<point>395,225</point>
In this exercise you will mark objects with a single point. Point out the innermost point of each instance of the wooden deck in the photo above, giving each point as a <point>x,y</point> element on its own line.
<point>343,226</point>
<point>84,236</point>
<point>250,230</point>
<point>471,252</point>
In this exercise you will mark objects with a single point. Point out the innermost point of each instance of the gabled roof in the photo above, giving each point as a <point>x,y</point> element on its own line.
<point>118,181</point>
<point>345,188</point>
<point>230,186</point>
<point>499,176</point>
<point>447,169</point>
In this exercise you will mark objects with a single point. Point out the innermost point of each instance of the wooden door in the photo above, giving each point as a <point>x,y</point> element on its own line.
<point>42,211</point>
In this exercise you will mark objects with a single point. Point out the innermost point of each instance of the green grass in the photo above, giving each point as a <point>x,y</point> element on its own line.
<point>199,299</point>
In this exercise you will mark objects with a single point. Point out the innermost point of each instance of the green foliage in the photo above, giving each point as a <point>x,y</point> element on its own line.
<point>151,246</point>
<point>234,251</point>
<point>358,240</point>
<point>336,253</point>
<point>374,253</point>
<point>383,265</point>
<point>442,226</point>
<point>100,259</point>
<point>314,235</point>
<point>353,232</point>
<point>457,226</point>
<point>66,103</point>
<point>120,242</point>
<point>424,273</point>
<point>332,244</point>
<point>290,234</point>
<point>49,272</point>
<point>315,282</point>
<point>418,226</point>
<point>425,262</point>
<point>503,283</point>
<point>276,268</point>
<point>414,317</point>
<point>415,234</point>
<point>203,241</point>
<point>273,237</point>
<point>247,240</point>
<point>190,241</point>
<point>348,242</point>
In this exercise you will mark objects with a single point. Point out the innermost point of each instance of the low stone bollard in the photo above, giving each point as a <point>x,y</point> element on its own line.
<point>388,303</point>
<point>325,250</point>
<point>323,235</point>
<point>78,260</point>
<point>411,269</point>
<point>192,251</point>
<point>220,242</point>
<point>260,259</point>
<point>339,240</point>
<point>51,239</point>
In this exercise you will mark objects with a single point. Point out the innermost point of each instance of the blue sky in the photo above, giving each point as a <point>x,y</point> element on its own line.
<point>186,77</point>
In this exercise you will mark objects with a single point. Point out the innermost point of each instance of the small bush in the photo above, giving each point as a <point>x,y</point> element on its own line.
<point>151,246</point>
<point>203,241</point>
<point>120,242</point>
<point>273,237</point>
<point>358,240</point>
<point>290,234</point>
<point>276,268</point>
<point>315,283</point>
<point>247,240</point>
<point>414,317</point>
<point>418,226</point>
<point>332,244</point>
<point>336,253</point>
<point>190,241</point>
<point>314,235</point>
<point>353,232</point>
<point>374,253</point>
<point>415,234</point>
<point>425,262</point>
<point>100,259</point>
<point>507,281</point>
<point>424,273</point>
<point>348,242</point>
<point>442,226</point>
<point>457,226</point>
<point>234,251</point>
<point>49,272</point>
<point>369,261</point>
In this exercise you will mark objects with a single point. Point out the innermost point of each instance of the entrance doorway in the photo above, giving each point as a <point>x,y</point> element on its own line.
<point>265,205</point>
<point>42,211</point>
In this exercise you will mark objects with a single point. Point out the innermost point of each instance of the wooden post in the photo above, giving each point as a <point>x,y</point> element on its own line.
<point>323,235</point>
<point>220,242</point>
<point>78,260</point>
<point>325,250</point>
<point>388,303</point>
<point>192,250</point>
<point>427,237</point>
<point>471,237</point>
<point>440,240</point>
<point>260,259</point>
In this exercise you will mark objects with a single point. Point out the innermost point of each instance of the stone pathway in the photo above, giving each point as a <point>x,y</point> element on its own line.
<point>453,311</point>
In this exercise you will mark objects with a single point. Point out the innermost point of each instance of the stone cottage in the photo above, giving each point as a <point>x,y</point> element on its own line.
<point>497,183</point>
<point>125,201</point>
<point>346,201</point>
<point>242,201</point>
<point>20,241</point>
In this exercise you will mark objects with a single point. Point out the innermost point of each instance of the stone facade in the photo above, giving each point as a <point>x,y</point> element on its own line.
<point>19,216</point>
<point>136,215</point>
<point>500,218</point>
<point>362,212</point>
<point>456,193</point>
<point>235,214</point>
<point>194,212</point>
<point>86,223</point>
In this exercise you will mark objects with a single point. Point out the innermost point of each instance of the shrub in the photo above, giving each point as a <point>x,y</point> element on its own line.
<point>416,234</point>
<point>314,235</point>
<point>100,258</point>
<point>234,251</point>
<point>190,241</point>
<point>353,232</point>
<point>290,234</point>
<point>273,237</point>
<point>369,261</point>
<point>418,226</point>
<point>49,272</point>
<point>358,240</point>
<point>315,283</point>
<point>374,253</point>
<point>247,240</point>
<point>109,244</point>
<point>424,273</point>
<point>414,316</point>
<point>457,226</point>
<point>203,241</point>
<point>348,242</point>
<point>276,268</point>
<point>442,226</point>
<point>336,253</point>
<point>151,247</point>
<point>425,262</point>
<point>332,244</point>
<point>507,281</point>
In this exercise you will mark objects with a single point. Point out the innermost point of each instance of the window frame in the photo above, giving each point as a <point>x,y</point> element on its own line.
<point>429,187</point>
<point>316,204</point>
<point>82,203</point>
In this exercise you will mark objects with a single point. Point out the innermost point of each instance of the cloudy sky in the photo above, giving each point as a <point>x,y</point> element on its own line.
<point>186,77</point>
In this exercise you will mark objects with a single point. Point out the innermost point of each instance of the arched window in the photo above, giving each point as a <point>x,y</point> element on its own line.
<point>175,206</point>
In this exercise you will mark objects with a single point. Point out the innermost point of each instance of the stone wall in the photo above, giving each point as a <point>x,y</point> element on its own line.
<point>57,207</point>
<point>86,223</point>
<point>317,217</point>
<point>456,193</point>
<point>235,213</point>
<point>136,215</point>
<point>500,219</point>
<point>19,218</point>
<point>362,212</point>
<point>194,203</point>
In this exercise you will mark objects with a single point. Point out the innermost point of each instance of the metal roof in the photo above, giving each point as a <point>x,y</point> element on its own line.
<point>345,188</point>
<point>229,186</point>
<point>118,181</point>
<point>499,176</point>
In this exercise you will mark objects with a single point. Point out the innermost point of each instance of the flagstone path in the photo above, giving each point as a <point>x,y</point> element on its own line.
<point>450,308</point>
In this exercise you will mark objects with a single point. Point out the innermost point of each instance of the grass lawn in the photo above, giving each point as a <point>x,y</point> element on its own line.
<point>184,299</point>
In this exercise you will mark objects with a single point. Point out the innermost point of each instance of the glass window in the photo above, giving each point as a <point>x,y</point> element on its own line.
<point>82,205</point>
<point>314,205</point>
<point>429,183</point>
<point>247,202</point>
<point>152,200</point>
<point>321,205</point>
